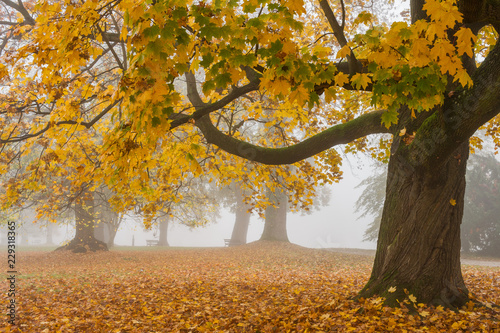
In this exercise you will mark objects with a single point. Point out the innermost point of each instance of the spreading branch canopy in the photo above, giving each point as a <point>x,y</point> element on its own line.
<point>128,91</point>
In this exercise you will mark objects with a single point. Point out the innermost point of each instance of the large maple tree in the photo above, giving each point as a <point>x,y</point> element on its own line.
<point>145,83</point>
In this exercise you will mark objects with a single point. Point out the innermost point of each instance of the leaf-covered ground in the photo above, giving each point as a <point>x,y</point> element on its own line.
<point>261,287</point>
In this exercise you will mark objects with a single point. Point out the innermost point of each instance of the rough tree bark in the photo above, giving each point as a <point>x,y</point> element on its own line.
<point>242,219</point>
<point>84,239</point>
<point>275,218</point>
<point>163,231</point>
<point>419,240</point>
<point>418,249</point>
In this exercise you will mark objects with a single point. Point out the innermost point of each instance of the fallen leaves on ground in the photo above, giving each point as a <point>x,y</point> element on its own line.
<point>260,287</point>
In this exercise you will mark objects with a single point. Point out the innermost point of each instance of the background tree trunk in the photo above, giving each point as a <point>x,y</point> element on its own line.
<point>418,246</point>
<point>163,231</point>
<point>275,224</point>
<point>242,219</point>
<point>112,230</point>
<point>84,239</point>
<point>106,229</point>
<point>108,219</point>
<point>50,233</point>
<point>101,231</point>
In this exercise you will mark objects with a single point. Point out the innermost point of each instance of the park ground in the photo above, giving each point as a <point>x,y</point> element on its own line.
<point>259,287</point>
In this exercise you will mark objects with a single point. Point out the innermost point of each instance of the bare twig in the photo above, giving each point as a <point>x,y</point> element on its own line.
<point>111,47</point>
<point>63,122</point>
<point>21,9</point>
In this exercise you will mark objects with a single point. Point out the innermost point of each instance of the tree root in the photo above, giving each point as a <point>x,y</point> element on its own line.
<point>78,245</point>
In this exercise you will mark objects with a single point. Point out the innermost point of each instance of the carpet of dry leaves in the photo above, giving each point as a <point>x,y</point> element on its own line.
<point>260,287</point>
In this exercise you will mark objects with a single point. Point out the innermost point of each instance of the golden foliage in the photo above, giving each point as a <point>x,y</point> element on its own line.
<point>90,91</point>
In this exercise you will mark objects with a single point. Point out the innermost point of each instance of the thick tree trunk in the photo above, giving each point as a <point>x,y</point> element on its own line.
<point>242,220</point>
<point>84,239</point>
<point>163,228</point>
<point>275,215</point>
<point>418,250</point>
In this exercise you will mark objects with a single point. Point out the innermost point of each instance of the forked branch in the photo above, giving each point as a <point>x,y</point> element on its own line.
<point>338,31</point>
<point>88,124</point>
<point>364,125</point>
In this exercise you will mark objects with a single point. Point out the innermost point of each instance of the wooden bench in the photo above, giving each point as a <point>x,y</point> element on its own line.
<point>152,242</point>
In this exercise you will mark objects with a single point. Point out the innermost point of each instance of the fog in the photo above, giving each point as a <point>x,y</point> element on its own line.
<point>334,225</point>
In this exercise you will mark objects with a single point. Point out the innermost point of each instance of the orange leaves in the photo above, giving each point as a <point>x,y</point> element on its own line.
<point>360,81</point>
<point>341,79</point>
<point>299,95</point>
<point>465,41</point>
<point>443,11</point>
<point>344,52</point>
<point>422,54</point>
<point>261,286</point>
<point>63,75</point>
<point>82,57</point>
<point>296,6</point>
<point>4,72</point>
<point>441,51</point>
<point>363,17</point>
<point>278,87</point>
<point>463,78</point>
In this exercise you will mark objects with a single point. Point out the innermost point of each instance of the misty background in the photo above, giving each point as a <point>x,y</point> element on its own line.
<point>334,225</point>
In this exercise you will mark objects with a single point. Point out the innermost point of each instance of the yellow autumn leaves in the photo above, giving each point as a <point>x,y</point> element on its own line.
<point>103,81</point>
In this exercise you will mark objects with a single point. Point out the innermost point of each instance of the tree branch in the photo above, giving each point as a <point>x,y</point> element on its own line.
<point>343,14</point>
<point>111,47</point>
<point>478,13</point>
<point>8,23</point>
<point>21,9</point>
<point>367,124</point>
<point>192,91</point>
<point>62,122</point>
<point>364,125</point>
<point>461,115</point>
<point>202,108</point>
<point>338,31</point>
<point>417,11</point>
